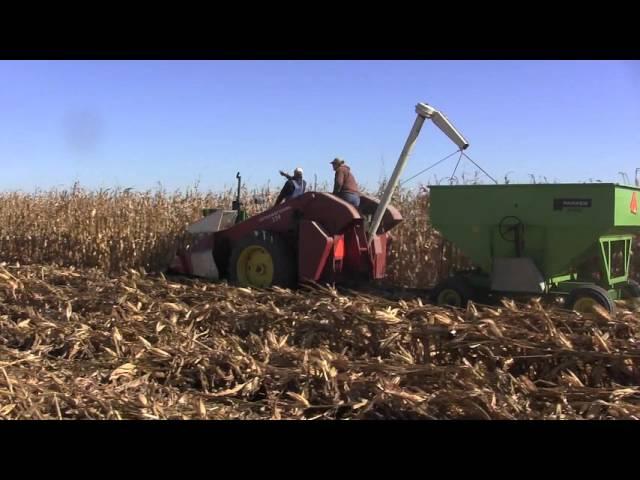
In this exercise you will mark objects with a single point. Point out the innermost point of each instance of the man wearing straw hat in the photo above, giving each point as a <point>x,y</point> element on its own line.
<point>345,185</point>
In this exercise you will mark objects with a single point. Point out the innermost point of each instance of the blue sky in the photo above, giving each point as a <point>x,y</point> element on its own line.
<point>136,123</point>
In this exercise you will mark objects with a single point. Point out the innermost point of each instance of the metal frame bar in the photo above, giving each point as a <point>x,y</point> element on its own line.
<point>606,257</point>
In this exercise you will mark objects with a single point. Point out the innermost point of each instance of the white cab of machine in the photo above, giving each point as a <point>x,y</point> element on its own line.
<point>204,265</point>
<point>217,220</point>
<point>202,261</point>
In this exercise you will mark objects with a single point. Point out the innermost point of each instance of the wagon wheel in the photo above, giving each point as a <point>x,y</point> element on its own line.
<point>454,292</point>
<point>585,298</point>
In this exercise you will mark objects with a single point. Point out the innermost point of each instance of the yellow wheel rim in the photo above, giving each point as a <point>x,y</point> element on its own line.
<point>584,305</point>
<point>255,267</point>
<point>450,297</point>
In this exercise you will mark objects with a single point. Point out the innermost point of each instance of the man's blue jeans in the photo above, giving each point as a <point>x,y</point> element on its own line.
<point>349,197</point>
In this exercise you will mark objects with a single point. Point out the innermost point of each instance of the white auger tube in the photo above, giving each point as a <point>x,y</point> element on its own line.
<point>424,111</point>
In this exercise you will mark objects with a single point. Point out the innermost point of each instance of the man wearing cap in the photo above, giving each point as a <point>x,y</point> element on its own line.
<point>293,188</point>
<point>345,185</point>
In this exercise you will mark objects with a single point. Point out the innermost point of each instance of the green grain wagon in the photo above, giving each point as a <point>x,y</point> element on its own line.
<point>567,240</point>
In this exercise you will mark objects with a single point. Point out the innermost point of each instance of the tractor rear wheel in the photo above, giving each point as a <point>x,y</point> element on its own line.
<point>262,259</point>
<point>454,292</point>
<point>584,299</point>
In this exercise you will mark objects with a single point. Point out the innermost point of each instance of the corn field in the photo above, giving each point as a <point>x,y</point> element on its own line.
<point>118,229</point>
<point>115,230</point>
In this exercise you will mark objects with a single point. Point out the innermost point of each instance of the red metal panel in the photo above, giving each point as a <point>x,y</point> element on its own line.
<point>333,213</point>
<point>391,217</point>
<point>357,260</point>
<point>379,256</point>
<point>338,256</point>
<point>338,247</point>
<point>329,211</point>
<point>314,247</point>
<point>352,250</point>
